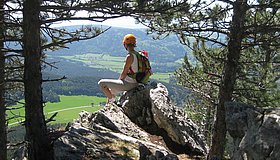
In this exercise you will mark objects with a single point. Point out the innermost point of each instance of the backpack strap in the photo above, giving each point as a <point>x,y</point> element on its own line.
<point>131,73</point>
<point>139,60</point>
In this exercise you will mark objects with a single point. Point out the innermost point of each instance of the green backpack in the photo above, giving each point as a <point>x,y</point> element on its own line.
<point>144,68</point>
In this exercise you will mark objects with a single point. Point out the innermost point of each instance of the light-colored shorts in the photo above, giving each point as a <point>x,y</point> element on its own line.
<point>116,86</point>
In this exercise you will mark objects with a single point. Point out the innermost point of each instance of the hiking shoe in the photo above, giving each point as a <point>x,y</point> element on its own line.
<point>140,87</point>
<point>110,101</point>
<point>118,104</point>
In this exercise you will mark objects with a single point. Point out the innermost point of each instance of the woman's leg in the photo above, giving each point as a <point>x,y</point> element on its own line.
<point>113,86</point>
<point>107,92</point>
<point>105,89</point>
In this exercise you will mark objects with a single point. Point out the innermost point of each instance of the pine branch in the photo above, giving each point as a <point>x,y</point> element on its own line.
<point>203,94</point>
<point>15,116</point>
<point>213,40</point>
<point>14,108</point>
<point>13,146</point>
<point>262,29</point>
<point>14,80</point>
<point>13,50</point>
<point>14,68</point>
<point>52,80</point>
<point>213,74</point>
<point>52,118</point>
<point>267,5</point>
<point>90,18</point>
<point>13,55</point>
<point>10,99</point>
<point>49,64</point>
<point>227,1</point>
<point>73,38</point>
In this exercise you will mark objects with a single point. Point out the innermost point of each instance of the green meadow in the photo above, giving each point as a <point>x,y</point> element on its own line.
<point>68,108</point>
<point>163,77</point>
<point>99,61</point>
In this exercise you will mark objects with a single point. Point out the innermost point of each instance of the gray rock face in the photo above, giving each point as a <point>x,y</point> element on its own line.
<point>147,126</point>
<point>81,142</point>
<point>114,119</point>
<point>255,131</point>
<point>89,138</point>
<point>153,111</point>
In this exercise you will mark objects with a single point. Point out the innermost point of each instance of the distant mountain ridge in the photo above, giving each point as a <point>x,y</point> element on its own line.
<point>168,49</point>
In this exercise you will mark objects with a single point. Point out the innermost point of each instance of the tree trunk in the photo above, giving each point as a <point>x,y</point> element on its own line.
<point>39,147</point>
<point>3,131</point>
<point>229,78</point>
<point>208,124</point>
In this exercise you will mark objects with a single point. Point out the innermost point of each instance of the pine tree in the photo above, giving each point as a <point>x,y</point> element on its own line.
<point>3,132</point>
<point>39,146</point>
<point>41,14</point>
<point>237,66</point>
<point>34,33</point>
<point>10,67</point>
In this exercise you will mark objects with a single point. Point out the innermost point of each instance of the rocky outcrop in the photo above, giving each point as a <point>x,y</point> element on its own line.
<point>89,138</point>
<point>152,110</point>
<point>255,131</point>
<point>145,125</point>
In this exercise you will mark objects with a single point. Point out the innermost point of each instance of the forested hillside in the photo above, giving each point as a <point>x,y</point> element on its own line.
<point>71,68</point>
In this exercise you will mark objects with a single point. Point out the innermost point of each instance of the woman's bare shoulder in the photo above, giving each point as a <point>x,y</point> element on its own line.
<point>129,56</point>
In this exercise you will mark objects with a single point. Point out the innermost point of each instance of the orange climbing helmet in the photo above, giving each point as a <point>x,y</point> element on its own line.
<point>129,39</point>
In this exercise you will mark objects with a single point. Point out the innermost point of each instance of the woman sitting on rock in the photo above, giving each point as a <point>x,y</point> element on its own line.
<point>111,87</point>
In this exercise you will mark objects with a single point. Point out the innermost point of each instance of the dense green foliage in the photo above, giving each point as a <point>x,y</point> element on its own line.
<point>74,86</point>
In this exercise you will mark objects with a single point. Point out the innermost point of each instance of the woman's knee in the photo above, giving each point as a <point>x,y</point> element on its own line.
<point>101,83</point>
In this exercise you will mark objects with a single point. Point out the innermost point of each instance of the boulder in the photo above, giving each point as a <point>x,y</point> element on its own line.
<point>151,109</point>
<point>113,118</point>
<point>92,140</point>
<point>255,131</point>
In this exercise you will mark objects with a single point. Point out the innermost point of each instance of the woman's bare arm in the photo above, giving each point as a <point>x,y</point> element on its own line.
<point>128,62</point>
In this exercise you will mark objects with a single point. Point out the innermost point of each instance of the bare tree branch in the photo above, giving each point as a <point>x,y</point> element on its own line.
<point>52,80</point>
<point>52,118</point>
